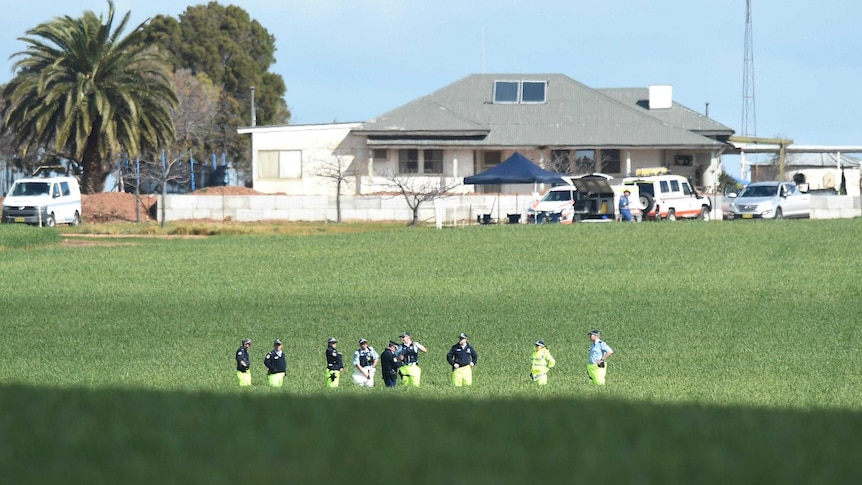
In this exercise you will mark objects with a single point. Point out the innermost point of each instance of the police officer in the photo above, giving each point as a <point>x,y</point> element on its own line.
<point>334,363</point>
<point>542,362</point>
<point>242,363</point>
<point>599,353</point>
<point>276,365</point>
<point>365,363</point>
<point>462,357</point>
<point>408,354</point>
<point>390,364</point>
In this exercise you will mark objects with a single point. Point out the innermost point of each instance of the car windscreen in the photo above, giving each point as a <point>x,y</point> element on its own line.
<point>759,191</point>
<point>31,188</point>
<point>557,196</point>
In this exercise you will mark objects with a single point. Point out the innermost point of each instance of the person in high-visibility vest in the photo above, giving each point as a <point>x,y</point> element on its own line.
<point>542,363</point>
<point>462,357</point>
<point>599,353</point>
<point>408,354</point>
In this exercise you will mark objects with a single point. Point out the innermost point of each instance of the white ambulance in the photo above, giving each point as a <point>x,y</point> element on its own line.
<point>666,196</point>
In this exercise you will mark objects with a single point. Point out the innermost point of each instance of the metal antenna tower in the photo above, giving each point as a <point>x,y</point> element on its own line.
<point>749,113</point>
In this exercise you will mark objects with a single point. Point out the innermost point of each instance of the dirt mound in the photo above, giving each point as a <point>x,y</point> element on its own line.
<point>117,207</point>
<point>226,191</point>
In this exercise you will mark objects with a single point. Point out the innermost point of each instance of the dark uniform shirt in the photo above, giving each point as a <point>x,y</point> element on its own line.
<point>242,356</point>
<point>410,353</point>
<point>275,362</point>
<point>366,357</point>
<point>333,359</point>
<point>462,355</point>
<point>389,362</point>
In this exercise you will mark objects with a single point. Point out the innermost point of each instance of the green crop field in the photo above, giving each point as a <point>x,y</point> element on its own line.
<point>736,355</point>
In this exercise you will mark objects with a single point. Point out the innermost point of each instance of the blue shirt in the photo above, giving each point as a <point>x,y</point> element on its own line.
<point>624,203</point>
<point>597,350</point>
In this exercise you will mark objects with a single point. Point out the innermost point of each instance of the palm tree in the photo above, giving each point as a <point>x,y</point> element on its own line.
<point>90,93</point>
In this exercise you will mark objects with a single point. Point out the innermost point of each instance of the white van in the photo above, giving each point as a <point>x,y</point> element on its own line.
<point>43,201</point>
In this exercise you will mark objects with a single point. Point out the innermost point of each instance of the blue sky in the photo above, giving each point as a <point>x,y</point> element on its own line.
<point>353,60</point>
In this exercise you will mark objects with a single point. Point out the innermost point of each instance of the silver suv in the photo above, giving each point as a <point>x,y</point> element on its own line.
<point>769,200</point>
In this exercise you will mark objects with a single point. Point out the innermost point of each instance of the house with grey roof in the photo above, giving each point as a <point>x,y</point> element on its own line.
<point>474,124</point>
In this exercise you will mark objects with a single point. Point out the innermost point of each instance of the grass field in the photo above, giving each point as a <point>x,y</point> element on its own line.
<point>736,355</point>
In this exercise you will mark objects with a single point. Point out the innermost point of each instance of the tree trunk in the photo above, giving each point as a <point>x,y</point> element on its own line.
<point>338,202</point>
<point>415,220</point>
<point>93,180</point>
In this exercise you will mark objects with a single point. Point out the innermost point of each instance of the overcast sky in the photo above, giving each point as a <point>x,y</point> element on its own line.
<point>352,60</point>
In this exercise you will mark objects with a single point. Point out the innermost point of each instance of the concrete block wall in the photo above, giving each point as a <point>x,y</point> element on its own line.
<point>249,208</point>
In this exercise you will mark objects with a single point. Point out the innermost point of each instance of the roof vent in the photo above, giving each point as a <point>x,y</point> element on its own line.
<point>660,96</point>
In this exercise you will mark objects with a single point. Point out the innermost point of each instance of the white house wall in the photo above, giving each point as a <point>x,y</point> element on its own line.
<point>316,148</point>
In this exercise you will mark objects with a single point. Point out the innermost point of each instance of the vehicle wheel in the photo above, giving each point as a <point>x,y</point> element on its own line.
<point>647,202</point>
<point>705,214</point>
<point>671,215</point>
<point>49,221</point>
<point>76,220</point>
<point>779,214</point>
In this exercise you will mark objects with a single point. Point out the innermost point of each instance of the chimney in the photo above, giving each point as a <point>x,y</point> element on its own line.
<point>660,96</point>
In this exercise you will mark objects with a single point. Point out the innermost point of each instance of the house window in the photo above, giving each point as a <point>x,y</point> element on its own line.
<point>561,161</point>
<point>585,161</point>
<point>490,159</point>
<point>380,154</point>
<point>683,160</point>
<point>520,92</point>
<point>506,91</point>
<point>610,161</point>
<point>279,164</point>
<point>433,162</point>
<point>533,92</point>
<point>408,160</point>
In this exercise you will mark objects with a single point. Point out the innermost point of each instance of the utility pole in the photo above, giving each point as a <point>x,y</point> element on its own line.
<point>749,113</point>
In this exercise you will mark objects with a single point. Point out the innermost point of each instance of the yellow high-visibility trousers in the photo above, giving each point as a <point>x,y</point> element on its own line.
<point>411,375</point>
<point>332,378</point>
<point>275,380</point>
<point>244,378</point>
<point>597,374</point>
<point>462,376</point>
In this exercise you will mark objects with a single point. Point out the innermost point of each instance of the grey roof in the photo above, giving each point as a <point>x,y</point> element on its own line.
<point>676,115</point>
<point>574,115</point>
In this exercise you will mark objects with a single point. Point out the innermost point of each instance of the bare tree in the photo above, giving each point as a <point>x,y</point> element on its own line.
<point>417,190</point>
<point>337,170</point>
<point>149,173</point>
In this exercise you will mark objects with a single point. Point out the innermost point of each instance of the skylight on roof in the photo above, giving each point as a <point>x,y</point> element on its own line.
<point>520,92</point>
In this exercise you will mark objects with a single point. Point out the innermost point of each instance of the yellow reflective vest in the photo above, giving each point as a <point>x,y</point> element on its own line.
<point>542,361</point>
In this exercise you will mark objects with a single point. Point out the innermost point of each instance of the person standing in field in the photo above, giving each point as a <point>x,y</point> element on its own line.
<point>599,353</point>
<point>334,363</point>
<point>408,354</point>
<point>625,209</point>
<point>243,373</point>
<point>462,357</point>
<point>542,363</point>
<point>365,363</point>
<point>390,364</point>
<point>276,365</point>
